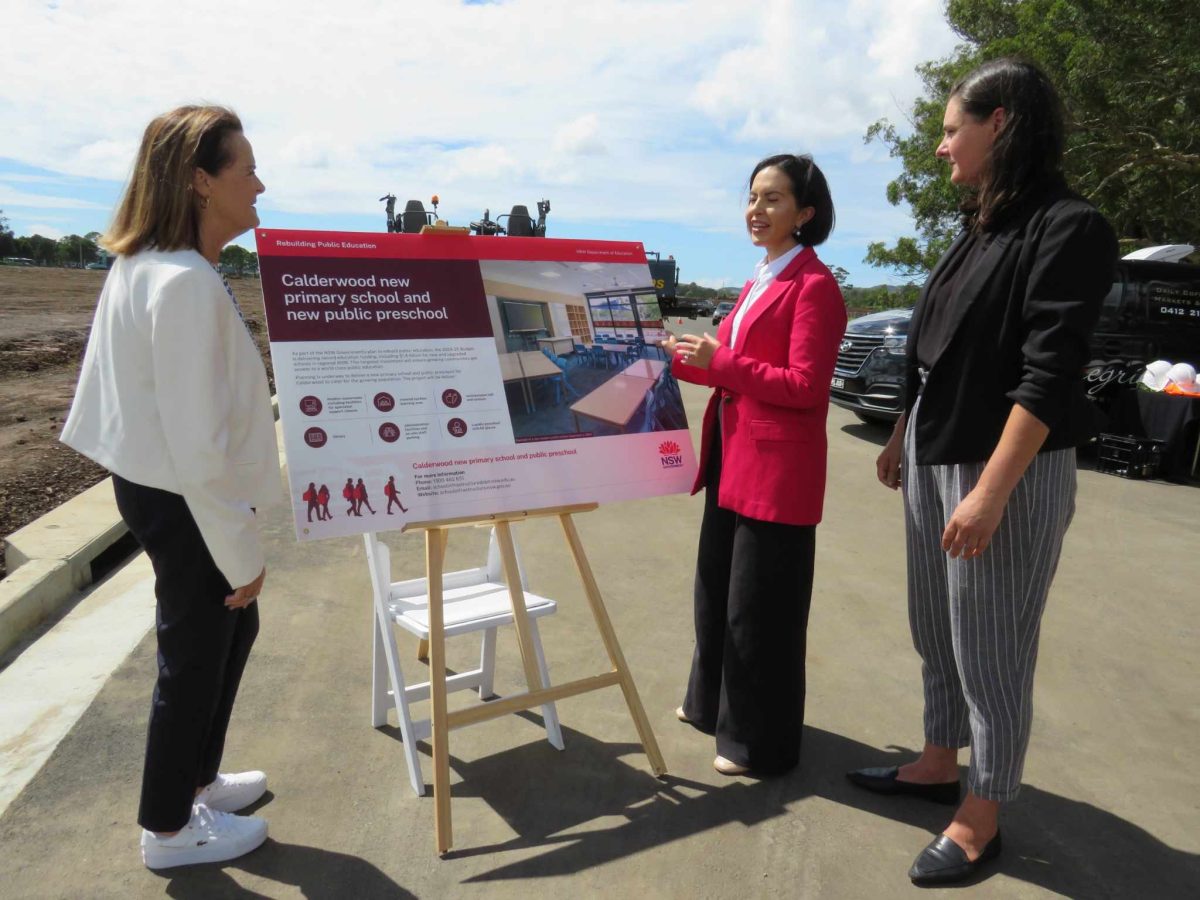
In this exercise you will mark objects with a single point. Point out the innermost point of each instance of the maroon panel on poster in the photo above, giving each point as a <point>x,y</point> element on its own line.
<point>327,299</point>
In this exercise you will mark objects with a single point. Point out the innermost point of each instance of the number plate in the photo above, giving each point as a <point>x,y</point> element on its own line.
<point>838,383</point>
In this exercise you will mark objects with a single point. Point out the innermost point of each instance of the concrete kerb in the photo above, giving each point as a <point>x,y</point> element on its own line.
<point>50,559</point>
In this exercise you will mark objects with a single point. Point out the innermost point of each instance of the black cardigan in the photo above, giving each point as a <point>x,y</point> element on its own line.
<point>1019,333</point>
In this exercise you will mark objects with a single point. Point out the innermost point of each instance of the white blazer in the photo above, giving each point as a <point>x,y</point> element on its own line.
<point>173,395</point>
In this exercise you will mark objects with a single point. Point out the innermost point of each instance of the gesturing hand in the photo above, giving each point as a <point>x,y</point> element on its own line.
<point>697,350</point>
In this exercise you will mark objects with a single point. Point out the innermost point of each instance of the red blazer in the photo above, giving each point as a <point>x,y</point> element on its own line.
<point>773,386</point>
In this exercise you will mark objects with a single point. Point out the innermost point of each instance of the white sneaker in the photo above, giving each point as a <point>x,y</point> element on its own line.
<point>229,793</point>
<point>209,836</point>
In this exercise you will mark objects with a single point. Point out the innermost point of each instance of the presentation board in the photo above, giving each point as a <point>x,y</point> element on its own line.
<point>427,377</point>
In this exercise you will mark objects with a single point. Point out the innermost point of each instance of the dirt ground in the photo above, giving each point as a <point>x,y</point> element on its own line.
<point>45,317</point>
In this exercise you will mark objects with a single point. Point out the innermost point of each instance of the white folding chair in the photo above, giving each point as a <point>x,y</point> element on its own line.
<point>474,600</point>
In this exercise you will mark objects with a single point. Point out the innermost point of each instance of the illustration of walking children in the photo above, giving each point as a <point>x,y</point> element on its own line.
<point>323,499</point>
<point>310,497</point>
<point>348,493</point>
<point>360,497</point>
<point>393,495</point>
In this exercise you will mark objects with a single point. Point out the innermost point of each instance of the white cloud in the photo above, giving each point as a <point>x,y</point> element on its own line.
<point>620,110</point>
<point>14,197</point>
<point>46,231</point>
<point>580,137</point>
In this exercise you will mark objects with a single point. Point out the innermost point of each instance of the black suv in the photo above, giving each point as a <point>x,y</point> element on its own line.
<point>1152,312</point>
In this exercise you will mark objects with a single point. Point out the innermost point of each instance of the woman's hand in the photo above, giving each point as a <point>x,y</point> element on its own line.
<point>887,464</point>
<point>669,345</point>
<point>696,350</point>
<point>247,593</point>
<point>972,524</point>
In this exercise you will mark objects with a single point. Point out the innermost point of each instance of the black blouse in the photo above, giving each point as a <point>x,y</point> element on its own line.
<point>942,295</point>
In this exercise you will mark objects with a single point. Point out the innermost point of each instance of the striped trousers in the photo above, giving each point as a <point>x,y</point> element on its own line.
<point>975,622</point>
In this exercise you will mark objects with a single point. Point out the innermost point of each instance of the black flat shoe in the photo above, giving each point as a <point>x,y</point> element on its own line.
<point>944,862</point>
<point>884,781</point>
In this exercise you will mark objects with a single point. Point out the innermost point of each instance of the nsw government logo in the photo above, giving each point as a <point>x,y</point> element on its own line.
<point>670,456</point>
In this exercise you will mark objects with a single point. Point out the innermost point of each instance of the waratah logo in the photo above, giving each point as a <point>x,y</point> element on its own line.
<point>670,455</point>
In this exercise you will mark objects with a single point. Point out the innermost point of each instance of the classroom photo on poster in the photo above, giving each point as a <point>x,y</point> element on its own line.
<point>433,376</point>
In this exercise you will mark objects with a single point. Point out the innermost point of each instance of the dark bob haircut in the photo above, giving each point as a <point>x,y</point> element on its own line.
<point>810,188</point>
<point>1028,152</point>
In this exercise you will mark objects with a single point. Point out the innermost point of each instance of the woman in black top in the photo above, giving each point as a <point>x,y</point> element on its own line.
<point>995,408</point>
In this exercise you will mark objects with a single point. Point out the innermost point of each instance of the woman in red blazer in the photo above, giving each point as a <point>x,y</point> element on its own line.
<point>762,460</point>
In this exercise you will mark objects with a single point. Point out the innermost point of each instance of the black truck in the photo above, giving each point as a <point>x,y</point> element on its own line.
<point>665,275</point>
<point>1152,312</point>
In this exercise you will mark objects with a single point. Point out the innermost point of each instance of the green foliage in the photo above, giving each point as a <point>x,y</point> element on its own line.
<point>841,276</point>
<point>237,260</point>
<point>882,296</point>
<point>691,289</point>
<point>74,250</point>
<point>8,242</point>
<point>40,249</point>
<point>1129,75</point>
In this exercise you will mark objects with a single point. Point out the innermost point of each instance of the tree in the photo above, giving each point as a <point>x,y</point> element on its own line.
<point>8,242</point>
<point>1129,75</point>
<point>237,260</point>
<point>841,276</point>
<point>40,249</point>
<point>75,250</point>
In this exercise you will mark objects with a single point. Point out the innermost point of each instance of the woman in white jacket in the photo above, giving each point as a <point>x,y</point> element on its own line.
<point>173,400</point>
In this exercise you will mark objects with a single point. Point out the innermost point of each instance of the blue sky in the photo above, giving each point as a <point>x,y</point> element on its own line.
<point>638,120</point>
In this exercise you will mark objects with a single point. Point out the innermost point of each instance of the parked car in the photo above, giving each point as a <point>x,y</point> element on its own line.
<point>1152,312</point>
<point>723,309</point>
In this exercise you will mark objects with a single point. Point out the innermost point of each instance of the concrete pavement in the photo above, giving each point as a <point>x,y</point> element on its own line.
<point>1111,806</point>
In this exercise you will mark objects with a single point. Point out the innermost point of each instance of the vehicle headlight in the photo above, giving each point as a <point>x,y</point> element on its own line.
<point>895,345</point>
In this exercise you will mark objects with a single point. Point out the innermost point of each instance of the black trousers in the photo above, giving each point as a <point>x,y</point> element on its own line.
<point>202,652</point>
<point>752,595</point>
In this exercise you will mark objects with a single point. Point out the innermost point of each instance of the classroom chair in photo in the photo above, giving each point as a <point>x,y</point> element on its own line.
<point>599,356</point>
<point>582,356</point>
<point>474,600</point>
<point>649,412</point>
<point>668,403</point>
<point>560,381</point>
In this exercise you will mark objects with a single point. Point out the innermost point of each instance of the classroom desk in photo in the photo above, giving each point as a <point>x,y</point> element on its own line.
<point>615,401</point>
<point>560,346</point>
<point>535,364</point>
<point>645,368</point>
<point>614,350</point>
<point>510,370</point>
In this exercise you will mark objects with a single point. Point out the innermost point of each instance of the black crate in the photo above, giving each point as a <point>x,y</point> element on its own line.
<point>1129,456</point>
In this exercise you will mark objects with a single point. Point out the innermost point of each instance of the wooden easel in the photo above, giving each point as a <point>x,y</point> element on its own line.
<point>437,535</point>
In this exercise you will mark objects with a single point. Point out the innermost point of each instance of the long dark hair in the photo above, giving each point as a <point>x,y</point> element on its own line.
<point>1027,154</point>
<point>810,188</point>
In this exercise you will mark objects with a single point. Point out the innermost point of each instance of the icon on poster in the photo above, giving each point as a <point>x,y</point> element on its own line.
<point>316,437</point>
<point>451,398</point>
<point>310,406</point>
<point>389,432</point>
<point>456,427</point>
<point>385,402</point>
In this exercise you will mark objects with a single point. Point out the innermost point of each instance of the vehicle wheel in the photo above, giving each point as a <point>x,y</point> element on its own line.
<point>871,419</point>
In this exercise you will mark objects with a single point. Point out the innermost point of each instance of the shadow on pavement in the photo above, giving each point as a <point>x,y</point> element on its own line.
<point>876,434</point>
<point>548,799</point>
<point>318,874</point>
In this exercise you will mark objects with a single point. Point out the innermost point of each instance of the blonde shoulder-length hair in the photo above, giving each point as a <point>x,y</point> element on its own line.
<point>159,209</point>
